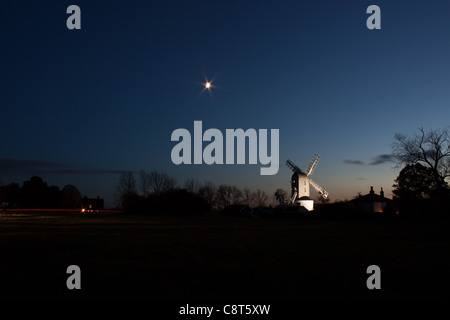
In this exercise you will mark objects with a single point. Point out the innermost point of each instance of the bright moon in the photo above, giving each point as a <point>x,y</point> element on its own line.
<point>207,85</point>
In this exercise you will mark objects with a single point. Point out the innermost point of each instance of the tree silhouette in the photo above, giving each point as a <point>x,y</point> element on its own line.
<point>228,195</point>
<point>414,181</point>
<point>249,196</point>
<point>280,196</point>
<point>260,197</point>
<point>430,148</point>
<point>126,188</point>
<point>161,182</point>
<point>36,194</point>
<point>71,197</point>
<point>417,192</point>
<point>208,192</point>
<point>144,183</point>
<point>192,185</point>
<point>9,194</point>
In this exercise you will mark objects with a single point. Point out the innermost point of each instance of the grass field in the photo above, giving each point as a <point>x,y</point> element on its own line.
<point>206,258</point>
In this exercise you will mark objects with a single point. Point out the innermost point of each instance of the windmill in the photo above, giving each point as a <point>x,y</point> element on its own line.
<point>300,183</point>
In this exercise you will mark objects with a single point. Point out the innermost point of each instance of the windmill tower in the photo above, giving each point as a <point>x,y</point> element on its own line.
<point>300,184</point>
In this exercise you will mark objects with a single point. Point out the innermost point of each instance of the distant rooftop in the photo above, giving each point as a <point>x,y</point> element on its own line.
<point>372,197</point>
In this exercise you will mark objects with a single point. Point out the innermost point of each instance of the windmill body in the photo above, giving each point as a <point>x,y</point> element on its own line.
<point>301,182</point>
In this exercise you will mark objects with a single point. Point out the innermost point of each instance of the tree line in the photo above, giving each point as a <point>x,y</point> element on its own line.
<point>37,194</point>
<point>145,192</point>
<point>158,192</point>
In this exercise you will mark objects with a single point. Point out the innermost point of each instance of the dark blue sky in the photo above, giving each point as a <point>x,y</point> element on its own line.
<point>79,106</point>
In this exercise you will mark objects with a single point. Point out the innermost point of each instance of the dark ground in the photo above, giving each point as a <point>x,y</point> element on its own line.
<point>209,258</point>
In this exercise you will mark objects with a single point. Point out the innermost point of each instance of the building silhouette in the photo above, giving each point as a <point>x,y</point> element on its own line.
<point>370,202</point>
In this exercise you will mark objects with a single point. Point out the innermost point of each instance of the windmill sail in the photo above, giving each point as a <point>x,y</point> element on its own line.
<point>293,167</point>
<point>312,165</point>
<point>319,189</point>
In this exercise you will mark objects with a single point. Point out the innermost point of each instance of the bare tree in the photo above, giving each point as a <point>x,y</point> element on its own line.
<point>208,192</point>
<point>144,183</point>
<point>260,197</point>
<point>223,197</point>
<point>160,182</point>
<point>127,183</point>
<point>169,183</point>
<point>192,185</point>
<point>236,195</point>
<point>430,148</point>
<point>126,186</point>
<point>249,196</point>
<point>228,195</point>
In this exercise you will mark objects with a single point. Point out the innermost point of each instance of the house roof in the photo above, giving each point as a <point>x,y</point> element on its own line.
<point>371,197</point>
